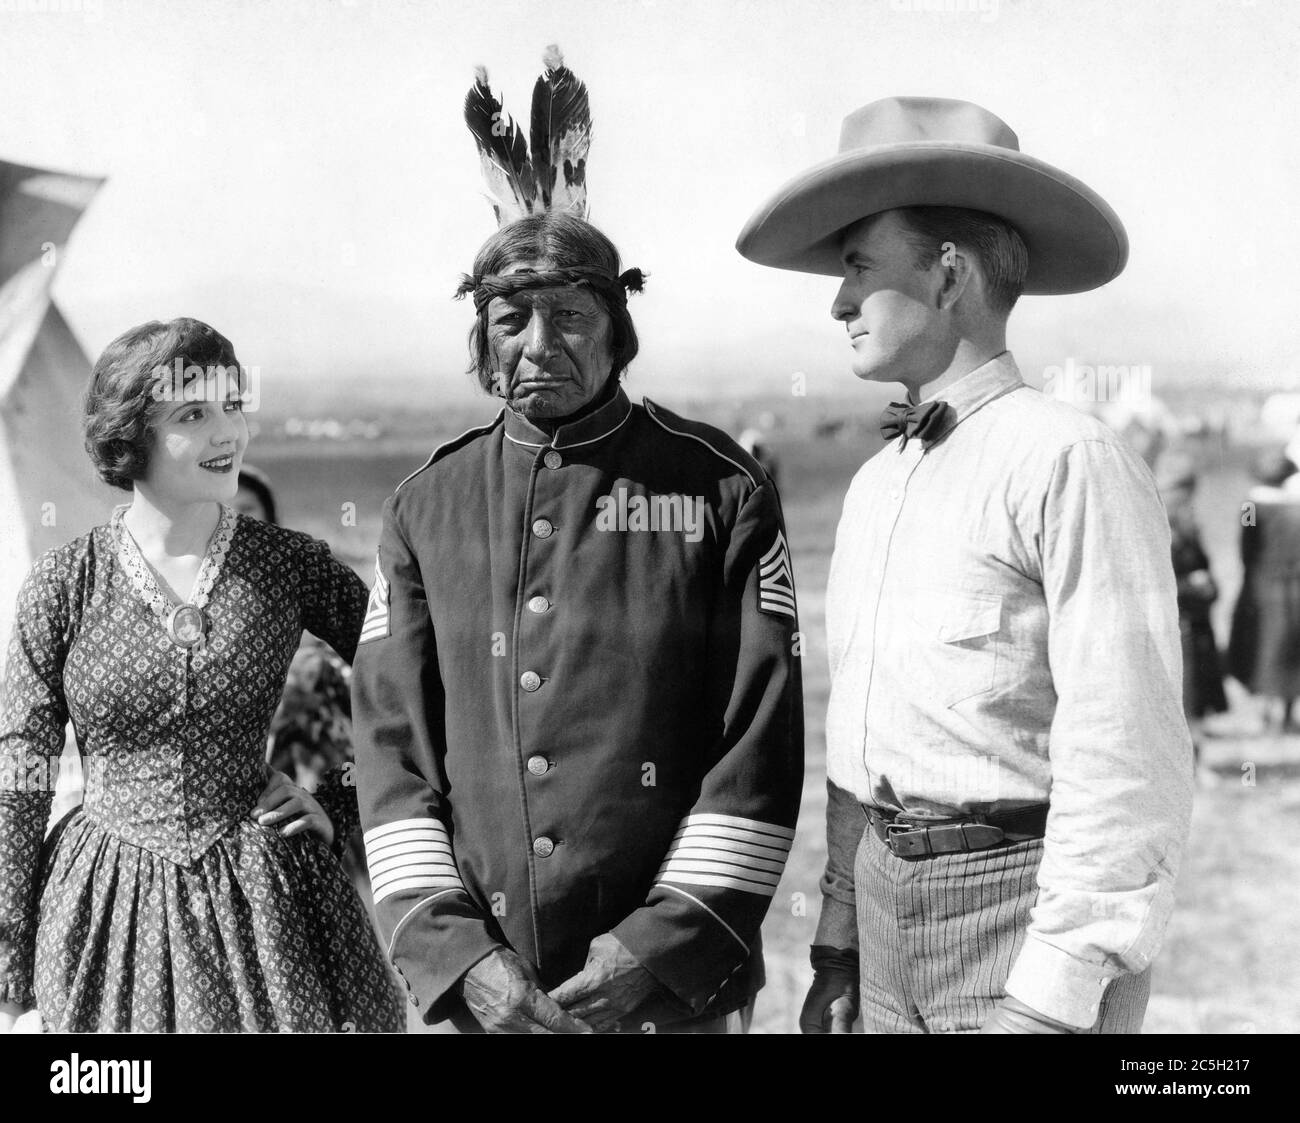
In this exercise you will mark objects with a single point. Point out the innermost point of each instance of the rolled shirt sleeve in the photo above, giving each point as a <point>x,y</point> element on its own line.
<point>1119,746</point>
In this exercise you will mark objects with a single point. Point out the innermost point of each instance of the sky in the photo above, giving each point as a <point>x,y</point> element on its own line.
<point>298,172</point>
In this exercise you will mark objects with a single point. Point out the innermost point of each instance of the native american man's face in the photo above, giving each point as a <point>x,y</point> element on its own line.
<point>550,347</point>
<point>890,308</point>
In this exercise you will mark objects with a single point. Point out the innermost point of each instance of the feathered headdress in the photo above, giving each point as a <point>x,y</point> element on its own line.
<point>554,175</point>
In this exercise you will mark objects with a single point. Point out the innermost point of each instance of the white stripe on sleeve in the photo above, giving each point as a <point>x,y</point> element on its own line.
<point>410,854</point>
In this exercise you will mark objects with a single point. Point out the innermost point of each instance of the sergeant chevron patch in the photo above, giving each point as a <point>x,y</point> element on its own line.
<point>375,625</point>
<point>775,580</point>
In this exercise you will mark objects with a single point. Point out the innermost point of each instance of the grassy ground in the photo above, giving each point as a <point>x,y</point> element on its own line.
<point>1231,962</point>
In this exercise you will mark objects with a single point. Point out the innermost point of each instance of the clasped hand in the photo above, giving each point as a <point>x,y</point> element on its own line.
<point>504,993</point>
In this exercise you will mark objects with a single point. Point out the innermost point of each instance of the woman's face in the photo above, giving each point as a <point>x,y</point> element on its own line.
<point>198,445</point>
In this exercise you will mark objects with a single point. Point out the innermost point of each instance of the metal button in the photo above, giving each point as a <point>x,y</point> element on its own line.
<point>552,459</point>
<point>530,681</point>
<point>543,847</point>
<point>538,604</point>
<point>543,528</point>
<point>538,765</point>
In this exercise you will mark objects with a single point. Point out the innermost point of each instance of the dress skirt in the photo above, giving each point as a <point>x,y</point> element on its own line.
<point>261,933</point>
<point>1264,649</point>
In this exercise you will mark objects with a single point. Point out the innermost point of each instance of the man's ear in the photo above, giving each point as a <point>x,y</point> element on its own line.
<point>957,270</point>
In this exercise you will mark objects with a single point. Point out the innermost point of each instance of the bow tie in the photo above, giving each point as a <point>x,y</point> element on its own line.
<point>928,421</point>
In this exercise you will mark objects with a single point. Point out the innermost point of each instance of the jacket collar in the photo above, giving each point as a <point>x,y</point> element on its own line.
<point>596,426</point>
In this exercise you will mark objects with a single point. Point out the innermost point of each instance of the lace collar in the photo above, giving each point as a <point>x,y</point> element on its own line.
<point>142,578</point>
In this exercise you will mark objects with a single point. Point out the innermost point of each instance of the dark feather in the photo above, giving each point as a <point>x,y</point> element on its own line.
<point>560,134</point>
<point>503,150</point>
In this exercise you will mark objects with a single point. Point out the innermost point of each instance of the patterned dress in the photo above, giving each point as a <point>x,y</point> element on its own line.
<point>159,905</point>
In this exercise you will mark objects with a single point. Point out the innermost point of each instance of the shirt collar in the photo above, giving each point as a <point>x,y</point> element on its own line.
<point>972,391</point>
<point>597,425</point>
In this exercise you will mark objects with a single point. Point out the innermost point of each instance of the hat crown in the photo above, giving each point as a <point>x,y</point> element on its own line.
<point>904,120</point>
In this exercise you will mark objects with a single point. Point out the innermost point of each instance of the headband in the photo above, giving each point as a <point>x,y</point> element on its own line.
<point>485,286</point>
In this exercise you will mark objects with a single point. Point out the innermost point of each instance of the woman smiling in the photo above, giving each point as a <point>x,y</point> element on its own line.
<point>192,890</point>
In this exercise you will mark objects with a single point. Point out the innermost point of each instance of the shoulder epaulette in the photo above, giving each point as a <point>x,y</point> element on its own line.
<point>452,445</point>
<point>710,437</point>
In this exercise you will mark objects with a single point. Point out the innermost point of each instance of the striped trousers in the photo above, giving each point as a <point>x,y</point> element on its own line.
<point>938,937</point>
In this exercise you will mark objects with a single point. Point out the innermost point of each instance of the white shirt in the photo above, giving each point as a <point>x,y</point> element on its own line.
<point>1003,631</point>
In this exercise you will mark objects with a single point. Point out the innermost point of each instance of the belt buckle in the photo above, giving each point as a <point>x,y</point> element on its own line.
<point>907,840</point>
<point>950,836</point>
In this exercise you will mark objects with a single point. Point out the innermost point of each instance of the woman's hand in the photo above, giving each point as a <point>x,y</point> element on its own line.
<point>17,1019</point>
<point>283,801</point>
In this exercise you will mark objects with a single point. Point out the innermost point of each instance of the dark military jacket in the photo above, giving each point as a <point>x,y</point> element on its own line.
<point>577,706</point>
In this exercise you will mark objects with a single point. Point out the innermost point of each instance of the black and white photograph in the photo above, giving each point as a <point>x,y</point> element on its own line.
<point>647,518</point>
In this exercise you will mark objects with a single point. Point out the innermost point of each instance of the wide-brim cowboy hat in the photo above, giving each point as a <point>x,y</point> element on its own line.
<point>914,151</point>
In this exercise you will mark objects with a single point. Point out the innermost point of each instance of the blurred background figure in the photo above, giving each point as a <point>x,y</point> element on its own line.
<point>1264,648</point>
<point>755,443</point>
<point>310,739</point>
<point>1197,591</point>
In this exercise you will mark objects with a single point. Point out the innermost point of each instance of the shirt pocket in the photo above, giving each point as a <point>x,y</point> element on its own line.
<point>955,643</point>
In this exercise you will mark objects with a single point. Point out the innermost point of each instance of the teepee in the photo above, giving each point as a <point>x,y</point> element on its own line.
<point>48,491</point>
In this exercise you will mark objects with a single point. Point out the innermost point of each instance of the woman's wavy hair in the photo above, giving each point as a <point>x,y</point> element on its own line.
<point>121,406</point>
<point>567,241</point>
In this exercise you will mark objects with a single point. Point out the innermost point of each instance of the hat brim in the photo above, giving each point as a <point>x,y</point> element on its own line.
<point>1075,241</point>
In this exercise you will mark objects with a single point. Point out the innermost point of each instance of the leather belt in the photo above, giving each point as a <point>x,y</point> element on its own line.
<point>911,837</point>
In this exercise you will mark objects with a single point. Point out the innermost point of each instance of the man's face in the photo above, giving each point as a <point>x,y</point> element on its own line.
<point>550,347</point>
<point>888,306</point>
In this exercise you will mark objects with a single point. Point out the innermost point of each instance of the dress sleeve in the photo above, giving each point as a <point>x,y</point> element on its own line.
<point>334,599</point>
<point>702,916</point>
<point>33,717</point>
